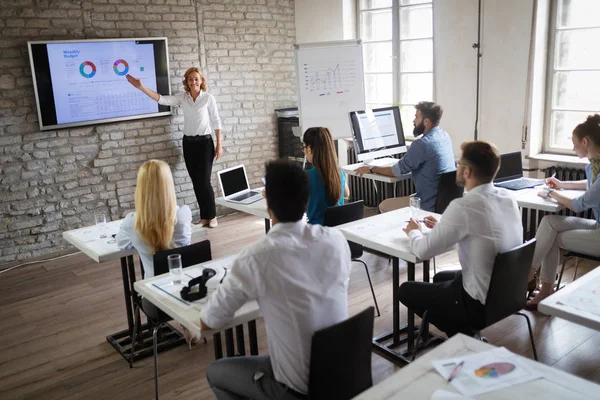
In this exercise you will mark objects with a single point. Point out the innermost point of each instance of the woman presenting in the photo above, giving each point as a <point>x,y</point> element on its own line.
<point>200,116</point>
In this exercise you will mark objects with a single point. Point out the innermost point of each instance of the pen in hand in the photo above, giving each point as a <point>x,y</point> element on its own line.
<point>456,371</point>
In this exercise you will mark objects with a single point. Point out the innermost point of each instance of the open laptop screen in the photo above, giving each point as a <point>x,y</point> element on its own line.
<point>511,167</point>
<point>233,181</point>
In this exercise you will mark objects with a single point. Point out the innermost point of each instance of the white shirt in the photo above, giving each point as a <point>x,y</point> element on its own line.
<point>485,222</point>
<point>299,275</point>
<point>128,238</point>
<point>198,116</point>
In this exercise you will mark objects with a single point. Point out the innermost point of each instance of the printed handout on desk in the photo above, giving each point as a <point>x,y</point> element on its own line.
<point>442,394</point>
<point>372,228</point>
<point>487,371</point>
<point>585,298</point>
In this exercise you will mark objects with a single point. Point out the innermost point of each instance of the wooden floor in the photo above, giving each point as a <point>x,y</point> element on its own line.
<point>55,317</point>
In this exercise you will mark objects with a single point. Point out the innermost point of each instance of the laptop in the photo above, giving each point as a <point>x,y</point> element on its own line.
<point>510,173</point>
<point>234,186</point>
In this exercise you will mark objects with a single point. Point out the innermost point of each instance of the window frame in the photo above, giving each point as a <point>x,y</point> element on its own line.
<point>397,42</point>
<point>549,89</point>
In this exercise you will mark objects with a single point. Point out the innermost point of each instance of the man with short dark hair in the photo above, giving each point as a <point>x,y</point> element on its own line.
<point>299,275</point>
<point>427,158</point>
<point>483,223</point>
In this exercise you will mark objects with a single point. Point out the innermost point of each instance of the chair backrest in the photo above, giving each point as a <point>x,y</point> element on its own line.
<point>338,215</point>
<point>448,190</point>
<point>340,358</point>
<point>192,254</point>
<point>508,286</point>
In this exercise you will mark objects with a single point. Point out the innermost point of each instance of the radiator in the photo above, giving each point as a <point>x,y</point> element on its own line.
<point>364,189</point>
<point>570,174</point>
<point>532,218</point>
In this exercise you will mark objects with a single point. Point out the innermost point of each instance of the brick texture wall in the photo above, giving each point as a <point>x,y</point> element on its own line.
<point>54,181</point>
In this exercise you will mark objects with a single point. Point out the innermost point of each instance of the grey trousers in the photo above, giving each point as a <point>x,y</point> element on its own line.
<point>569,233</point>
<point>247,378</point>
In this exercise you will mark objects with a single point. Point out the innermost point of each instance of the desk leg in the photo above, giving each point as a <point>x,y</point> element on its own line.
<point>121,340</point>
<point>239,335</point>
<point>229,349</point>
<point>267,225</point>
<point>524,213</point>
<point>400,334</point>
<point>253,339</point>
<point>410,316</point>
<point>218,346</point>
<point>127,292</point>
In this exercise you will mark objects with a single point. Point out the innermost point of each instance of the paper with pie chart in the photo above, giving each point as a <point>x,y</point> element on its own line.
<point>88,79</point>
<point>585,298</point>
<point>487,371</point>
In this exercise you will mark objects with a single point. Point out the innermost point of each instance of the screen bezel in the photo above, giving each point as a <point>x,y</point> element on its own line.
<point>515,156</point>
<point>162,86</point>
<point>363,154</point>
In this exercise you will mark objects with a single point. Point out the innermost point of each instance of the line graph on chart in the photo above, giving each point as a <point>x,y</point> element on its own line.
<point>328,79</point>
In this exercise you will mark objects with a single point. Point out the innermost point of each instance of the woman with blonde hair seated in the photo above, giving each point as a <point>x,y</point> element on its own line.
<point>157,223</point>
<point>570,233</point>
<point>327,181</point>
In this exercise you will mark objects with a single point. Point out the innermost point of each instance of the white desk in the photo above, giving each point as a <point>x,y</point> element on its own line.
<point>531,204</point>
<point>528,198</point>
<point>384,233</point>
<point>419,380</point>
<point>105,249</point>
<point>351,170</point>
<point>552,305</point>
<point>258,208</point>
<point>188,314</point>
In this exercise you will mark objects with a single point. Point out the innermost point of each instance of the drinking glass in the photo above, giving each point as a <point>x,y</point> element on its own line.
<point>415,206</point>
<point>175,269</point>
<point>100,220</point>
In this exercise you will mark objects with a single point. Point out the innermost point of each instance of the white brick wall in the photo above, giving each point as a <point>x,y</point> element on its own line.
<point>55,181</point>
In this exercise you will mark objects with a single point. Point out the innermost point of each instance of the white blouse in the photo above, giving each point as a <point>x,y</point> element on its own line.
<point>128,238</point>
<point>198,116</point>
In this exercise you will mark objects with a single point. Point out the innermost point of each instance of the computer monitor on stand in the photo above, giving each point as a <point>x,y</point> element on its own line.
<point>377,133</point>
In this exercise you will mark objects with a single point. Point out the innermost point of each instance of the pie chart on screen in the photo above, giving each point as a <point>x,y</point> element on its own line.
<point>121,67</point>
<point>87,69</point>
<point>494,370</point>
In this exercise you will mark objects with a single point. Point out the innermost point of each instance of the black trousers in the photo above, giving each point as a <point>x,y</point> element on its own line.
<point>199,154</point>
<point>451,308</point>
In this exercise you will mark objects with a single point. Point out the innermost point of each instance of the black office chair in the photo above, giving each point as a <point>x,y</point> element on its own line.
<point>340,359</point>
<point>506,294</point>
<point>568,255</point>
<point>338,215</point>
<point>190,255</point>
<point>448,190</point>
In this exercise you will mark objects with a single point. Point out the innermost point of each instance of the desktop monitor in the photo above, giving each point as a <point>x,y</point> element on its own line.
<point>377,133</point>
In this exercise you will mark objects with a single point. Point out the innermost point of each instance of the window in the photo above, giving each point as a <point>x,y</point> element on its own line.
<point>573,71</point>
<point>397,38</point>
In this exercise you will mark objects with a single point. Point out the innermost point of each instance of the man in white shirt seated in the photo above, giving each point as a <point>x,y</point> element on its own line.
<point>485,222</point>
<point>299,275</point>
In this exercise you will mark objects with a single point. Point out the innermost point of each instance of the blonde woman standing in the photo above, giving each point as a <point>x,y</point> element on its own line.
<point>157,223</point>
<point>200,117</point>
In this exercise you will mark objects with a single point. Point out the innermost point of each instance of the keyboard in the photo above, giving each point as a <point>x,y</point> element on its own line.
<point>519,184</point>
<point>245,196</point>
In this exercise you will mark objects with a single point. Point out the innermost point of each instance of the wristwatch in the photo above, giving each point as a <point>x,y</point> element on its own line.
<point>371,170</point>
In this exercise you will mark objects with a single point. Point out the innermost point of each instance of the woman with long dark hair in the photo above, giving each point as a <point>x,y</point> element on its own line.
<point>327,181</point>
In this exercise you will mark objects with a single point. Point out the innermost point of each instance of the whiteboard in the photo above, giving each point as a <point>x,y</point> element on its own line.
<point>330,85</point>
